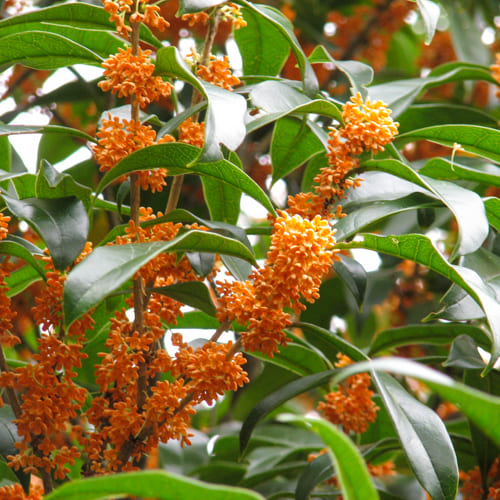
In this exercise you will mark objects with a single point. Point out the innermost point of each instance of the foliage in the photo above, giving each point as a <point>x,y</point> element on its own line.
<point>235,204</point>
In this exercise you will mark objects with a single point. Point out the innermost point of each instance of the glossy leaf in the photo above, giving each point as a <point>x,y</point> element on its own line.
<point>481,141</point>
<point>224,121</point>
<point>109,267</point>
<point>22,249</point>
<point>420,249</point>
<point>177,158</point>
<point>43,129</point>
<point>282,24</point>
<point>430,12</point>
<point>492,206</point>
<point>359,74</point>
<point>316,472</point>
<point>293,143</point>
<point>276,399</point>
<point>353,275</point>
<point>351,471</point>
<point>21,279</point>
<point>189,6</point>
<point>158,484</point>
<point>424,438</point>
<point>191,293</point>
<point>466,206</point>
<point>277,100</point>
<point>440,333</point>
<point>41,50</point>
<point>62,223</point>
<point>482,409</point>
<point>441,168</point>
<point>263,47</point>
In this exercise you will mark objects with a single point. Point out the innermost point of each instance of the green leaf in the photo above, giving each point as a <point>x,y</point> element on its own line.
<point>492,206</point>
<point>62,223</point>
<point>189,6</point>
<point>316,472</point>
<point>276,399</point>
<point>425,115</point>
<point>178,159</point>
<point>293,143</point>
<point>52,184</point>
<point>399,94</point>
<point>359,74</point>
<point>440,333</point>
<point>374,211</point>
<point>16,246</point>
<point>430,14</point>
<point>424,438</point>
<point>466,206</point>
<point>482,409</point>
<point>191,293</point>
<point>225,117</point>
<point>21,279</point>
<point>352,473</point>
<point>420,249</point>
<point>481,141</point>
<point>263,47</point>
<point>282,24</point>
<point>43,129</point>
<point>158,484</point>
<point>223,200</point>
<point>353,274</point>
<point>277,100</point>
<point>41,50</point>
<point>441,168</point>
<point>109,267</point>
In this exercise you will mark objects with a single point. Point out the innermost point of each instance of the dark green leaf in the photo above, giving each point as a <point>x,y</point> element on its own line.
<point>316,472</point>
<point>263,47</point>
<point>12,246</point>
<point>492,206</point>
<point>420,249</point>
<point>189,6</point>
<point>225,117</point>
<point>464,354</point>
<point>41,50</point>
<point>273,401</point>
<point>424,438</point>
<point>359,74</point>
<point>353,275</point>
<point>109,267</point>
<point>282,24</point>
<point>158,484</point>
<point>43,129</point>
<point>351,470</point>
<point>293,143</point>
<point>21,279</point>
<point>191,293</point>
<point>178,159</point>
<point>62,223</point>
<point>440,168</point>
<point>466,206</point>
<point>440,333</point>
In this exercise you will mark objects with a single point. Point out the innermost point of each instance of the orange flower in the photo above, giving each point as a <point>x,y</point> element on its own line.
<point>4,226</point>
<point>197,18</point>
<point>352,405</point>
<point>368,125</point>
<point>118,10</point>
<point>16,492</point>
<point>151,17</point>
<point>130,75</point>
<point>232,12</point>
<point>219,73</point>
<point>301,253</point>
<point>208,371</point>
<point>193,133</point>
<point>120,137</point>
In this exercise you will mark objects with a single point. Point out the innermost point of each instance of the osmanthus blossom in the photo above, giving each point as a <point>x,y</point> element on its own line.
<point>351,406</point>
<point>301,254</point>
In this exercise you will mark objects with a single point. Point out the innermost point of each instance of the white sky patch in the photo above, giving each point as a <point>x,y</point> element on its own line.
<point>233,53</point>
<point>78,156</point>
<point>369,259</point>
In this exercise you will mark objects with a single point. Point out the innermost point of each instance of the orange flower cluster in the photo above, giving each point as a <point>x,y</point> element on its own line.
<point>301,254</point>
<point>352,405</point>
<point>131,76</point>
<point>209,371</point>
<point>16,492</point>
<point>118,138</point>
<point>495,68</point>
<point>193,133</point>
<point>144,13</point>
<point>367,126</point>
<point>50,398</point>
<point>219,73</point>
<point>228,13</point>
<point>472,483</point>
<point>377,21</point>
